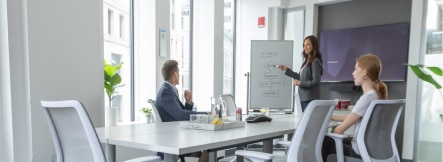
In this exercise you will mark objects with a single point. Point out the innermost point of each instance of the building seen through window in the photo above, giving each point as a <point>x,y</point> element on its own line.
<point>116,49</point>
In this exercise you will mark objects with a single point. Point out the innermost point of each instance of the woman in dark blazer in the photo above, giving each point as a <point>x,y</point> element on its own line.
<point>308,79</point>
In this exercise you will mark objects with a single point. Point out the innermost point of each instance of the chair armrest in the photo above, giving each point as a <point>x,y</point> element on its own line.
<point>284,143</point>
<point>145,159</point>
<point>338,138</point>
<point>333,124</point>
<point>254,155</point>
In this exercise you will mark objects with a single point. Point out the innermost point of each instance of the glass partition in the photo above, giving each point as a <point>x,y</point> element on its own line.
<point>430,127</point>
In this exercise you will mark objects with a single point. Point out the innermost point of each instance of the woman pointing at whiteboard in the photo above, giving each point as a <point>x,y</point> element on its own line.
<point>308,79</point>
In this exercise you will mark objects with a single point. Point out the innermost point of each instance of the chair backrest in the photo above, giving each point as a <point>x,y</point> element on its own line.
<point>72,132</point>
<point>376,136</point>
<point>157,117</point>
<point>230,104</point>
<point>308,138</point>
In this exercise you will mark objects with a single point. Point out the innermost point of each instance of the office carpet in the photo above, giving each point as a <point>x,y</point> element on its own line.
<point>280,156</point>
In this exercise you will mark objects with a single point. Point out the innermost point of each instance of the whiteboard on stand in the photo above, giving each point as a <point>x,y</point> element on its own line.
<point>269,86</point>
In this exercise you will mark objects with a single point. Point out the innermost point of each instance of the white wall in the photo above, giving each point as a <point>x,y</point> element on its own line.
<point>19,67</point>
<point>247,29</point>
<point>162,16</point>
<point>6,135</point>
<point>65,62</point>
<point>413,86</point>
<point>208,52</point>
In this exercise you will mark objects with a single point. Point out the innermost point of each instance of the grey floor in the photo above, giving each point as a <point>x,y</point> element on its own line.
<point>279,157</point>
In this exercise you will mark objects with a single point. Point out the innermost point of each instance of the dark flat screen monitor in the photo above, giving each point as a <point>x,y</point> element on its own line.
<point>340,49</point>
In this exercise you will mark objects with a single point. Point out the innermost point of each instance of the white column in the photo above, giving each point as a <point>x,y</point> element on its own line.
<point>19,67</point>
<point>208,51</point>
<point>413,93</point>
<point>6,145</point>
<point>311,19</point>
<point>65,62</point>
<point>275,29</point>
<point>147,25</point>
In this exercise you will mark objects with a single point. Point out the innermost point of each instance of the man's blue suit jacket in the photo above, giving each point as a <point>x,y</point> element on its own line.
<point>169,105</point>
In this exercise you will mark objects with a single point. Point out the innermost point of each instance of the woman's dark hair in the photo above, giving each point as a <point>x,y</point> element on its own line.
<point>169,67</point>
<point>315,51</point>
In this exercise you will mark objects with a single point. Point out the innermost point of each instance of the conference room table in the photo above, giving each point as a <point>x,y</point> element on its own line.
<point>173,139</point>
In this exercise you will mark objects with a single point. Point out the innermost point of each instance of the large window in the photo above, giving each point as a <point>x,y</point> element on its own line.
<point>430,136</point>
<point>131,37</point>
<point>117,49</point>
<point>139,73</point>
<point>180,40</point>
<point>228,47</point>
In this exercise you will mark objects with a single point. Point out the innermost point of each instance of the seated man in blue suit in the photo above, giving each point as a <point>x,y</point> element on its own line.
<point>168,103</point>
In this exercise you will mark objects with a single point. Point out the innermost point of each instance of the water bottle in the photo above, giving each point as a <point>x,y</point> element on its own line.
<point>214,107</point>
<point>222,109</point>
<point>194,108</point>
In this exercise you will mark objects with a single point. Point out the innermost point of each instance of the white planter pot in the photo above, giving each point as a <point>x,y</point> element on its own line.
<point>149,119</point>
<point>110,116</point>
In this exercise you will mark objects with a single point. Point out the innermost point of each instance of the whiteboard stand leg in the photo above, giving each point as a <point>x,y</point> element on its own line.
<point>247,93</point>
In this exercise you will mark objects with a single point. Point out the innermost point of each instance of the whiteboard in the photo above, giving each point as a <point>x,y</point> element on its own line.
<point>269,86</point>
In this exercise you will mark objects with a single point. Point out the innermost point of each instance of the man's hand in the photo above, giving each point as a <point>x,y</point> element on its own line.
<point>188,96</point>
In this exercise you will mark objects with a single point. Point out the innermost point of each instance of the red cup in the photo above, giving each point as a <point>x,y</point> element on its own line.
<point>342,104</point>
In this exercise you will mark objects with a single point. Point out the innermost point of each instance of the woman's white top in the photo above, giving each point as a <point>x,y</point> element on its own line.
<point>360,109</point>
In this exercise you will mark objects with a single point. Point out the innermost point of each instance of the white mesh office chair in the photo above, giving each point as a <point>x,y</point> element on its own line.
<point>73,133</point>
<point>376,136</point>
<point>231,108</point>
<point>157,117</point>
<point>230,104</point>
<point>298,108</point>
<point>308,138</point>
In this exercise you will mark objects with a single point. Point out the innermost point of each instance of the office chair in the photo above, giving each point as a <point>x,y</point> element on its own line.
<point>230,104</point>
<point>73,133</point>
<point>297,106</point>
<point>376,136</point>
<point>308,138</point>
<point>231,108</point>
<point>157,117</point>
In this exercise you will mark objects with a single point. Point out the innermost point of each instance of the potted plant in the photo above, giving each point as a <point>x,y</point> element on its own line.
<point>419,70</point>
<point>148,112</point>
<point>112,81</point>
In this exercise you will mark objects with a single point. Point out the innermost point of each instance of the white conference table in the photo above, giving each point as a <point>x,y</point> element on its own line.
<point>171,139</point>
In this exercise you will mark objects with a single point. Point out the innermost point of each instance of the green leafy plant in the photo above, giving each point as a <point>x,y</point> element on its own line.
<point>112,79</point>
<point>421,73</point>
<point>147,111</point>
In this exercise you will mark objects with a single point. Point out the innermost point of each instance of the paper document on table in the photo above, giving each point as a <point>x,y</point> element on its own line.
<point>203,126</point>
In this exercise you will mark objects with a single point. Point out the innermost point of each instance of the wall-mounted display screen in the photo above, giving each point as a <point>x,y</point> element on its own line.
<point>340,49</point>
